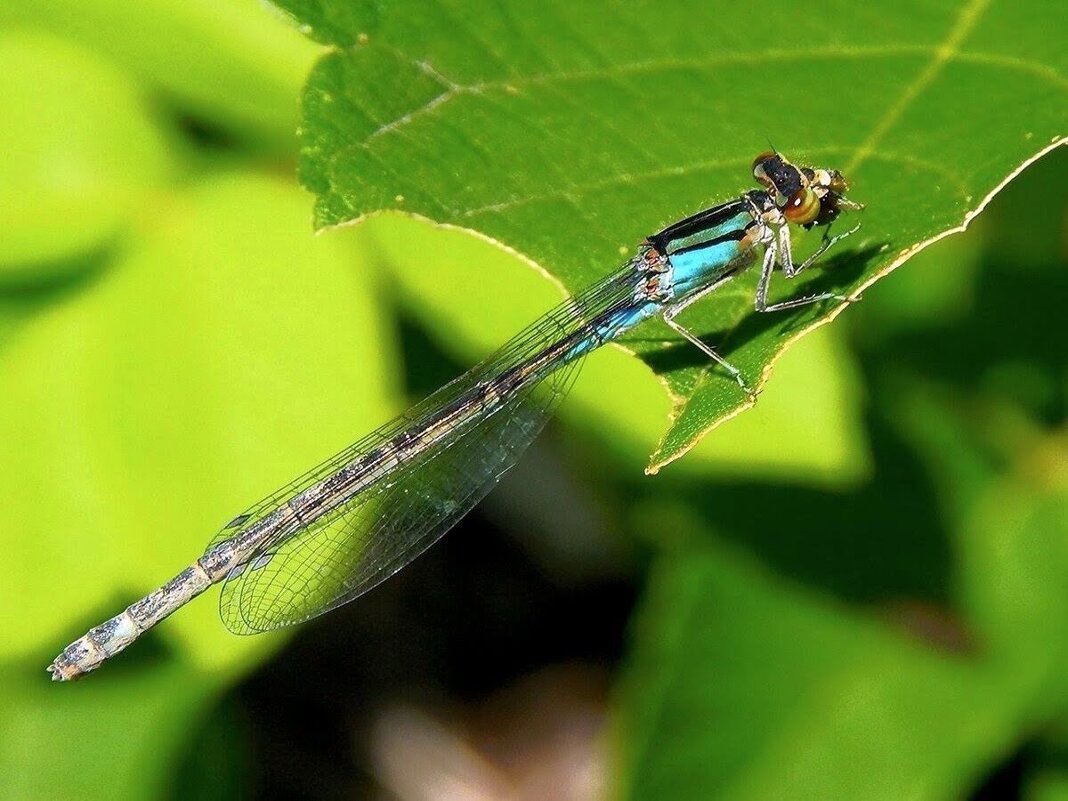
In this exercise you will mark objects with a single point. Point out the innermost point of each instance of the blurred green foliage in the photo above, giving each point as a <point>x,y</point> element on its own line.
<point>854,590</point>
<point>83,155</point>
<point>174,343</point>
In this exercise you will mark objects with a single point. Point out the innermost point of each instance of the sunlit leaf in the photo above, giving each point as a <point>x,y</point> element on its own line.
<point>229,66</point>
<point>570,131</point>
<point>115,739</point>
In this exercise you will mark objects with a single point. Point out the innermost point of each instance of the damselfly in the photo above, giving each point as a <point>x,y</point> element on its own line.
<point>361,516</point>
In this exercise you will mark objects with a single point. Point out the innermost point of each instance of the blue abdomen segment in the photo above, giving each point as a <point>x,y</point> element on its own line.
<point>612,325</point>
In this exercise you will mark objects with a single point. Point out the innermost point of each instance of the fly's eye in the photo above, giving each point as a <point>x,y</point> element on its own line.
<point>837,183</point>
<point>802,207</point>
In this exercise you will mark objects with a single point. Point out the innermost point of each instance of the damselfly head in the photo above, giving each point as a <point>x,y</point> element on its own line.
<point>805,195</point>
<point>781,178</point>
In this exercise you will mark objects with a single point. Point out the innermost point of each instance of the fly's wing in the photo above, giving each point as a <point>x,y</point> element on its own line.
<point>341,555</point>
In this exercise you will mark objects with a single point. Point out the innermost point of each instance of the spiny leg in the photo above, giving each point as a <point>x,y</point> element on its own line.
<point>790,271</point>
<point>673,311</point>
<point>827,245</point>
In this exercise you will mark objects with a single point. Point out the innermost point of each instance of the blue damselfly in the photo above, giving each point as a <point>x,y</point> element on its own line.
<point>361,516</point>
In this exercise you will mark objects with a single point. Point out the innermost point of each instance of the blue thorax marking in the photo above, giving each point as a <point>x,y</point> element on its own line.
<point>705,245</point>
<point>698,250</point>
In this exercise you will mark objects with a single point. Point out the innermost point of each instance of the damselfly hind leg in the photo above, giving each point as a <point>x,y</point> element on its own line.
<point>672,312</point>
<point>693,339</point>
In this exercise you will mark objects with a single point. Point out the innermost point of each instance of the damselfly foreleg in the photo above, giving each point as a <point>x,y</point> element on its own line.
<point>784,249</point>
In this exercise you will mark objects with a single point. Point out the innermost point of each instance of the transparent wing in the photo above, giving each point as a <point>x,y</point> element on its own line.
<point>571,315</point>
<point>342,554</point>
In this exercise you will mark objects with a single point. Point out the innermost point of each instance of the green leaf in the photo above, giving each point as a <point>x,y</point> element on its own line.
<point>567,132</point>
<point>226,352</point>
<point>1050,786</point>
<point>746,685</point>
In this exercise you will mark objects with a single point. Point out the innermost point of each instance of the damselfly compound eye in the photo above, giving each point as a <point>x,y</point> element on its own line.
<point>802,207</point>
<point>759,171</point>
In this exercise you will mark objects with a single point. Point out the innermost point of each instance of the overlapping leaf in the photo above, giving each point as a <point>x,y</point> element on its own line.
<point>570,131</point>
